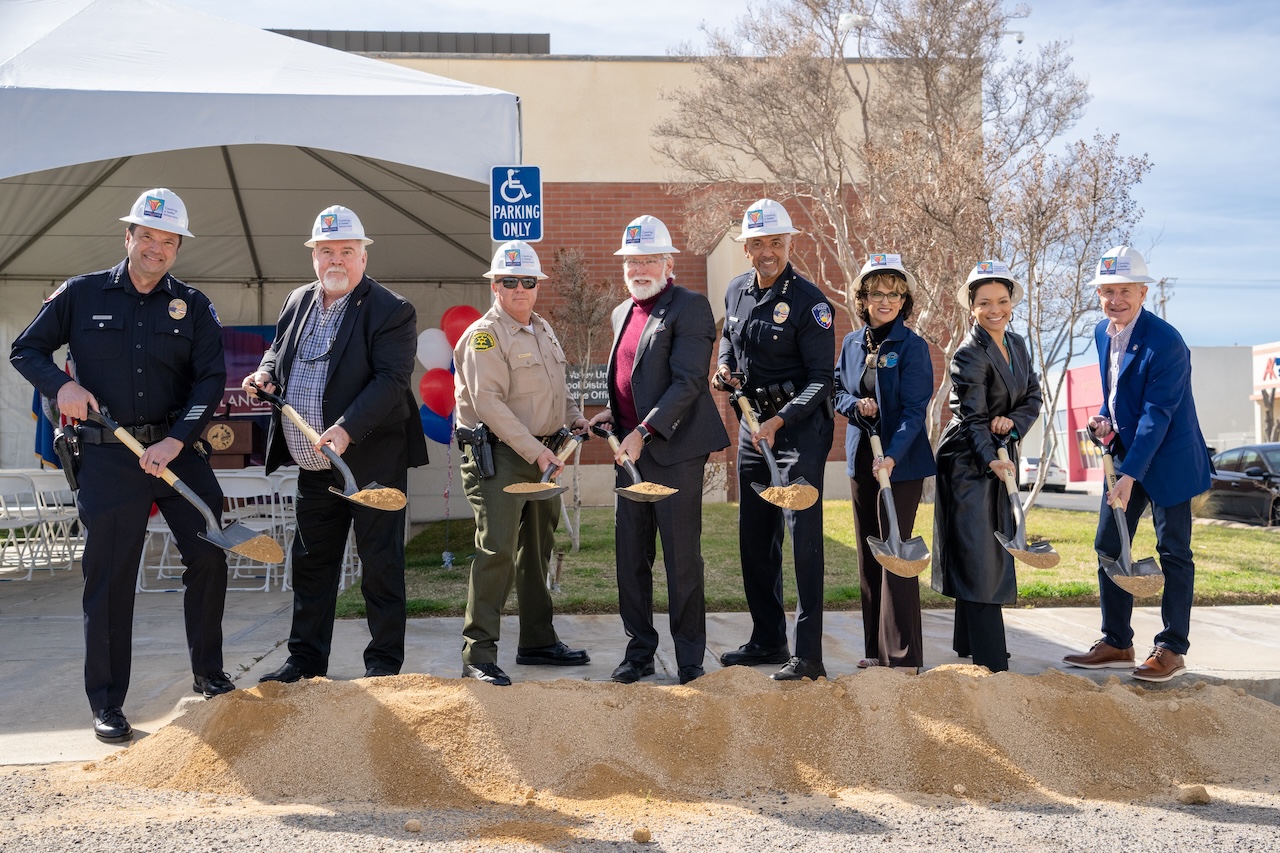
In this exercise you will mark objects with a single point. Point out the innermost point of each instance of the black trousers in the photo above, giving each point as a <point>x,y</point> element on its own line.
<point>115,502</point>
<point>801,451</point>
<point>891,628</point>
<point>324,520</point>
<point>979,632</point>
<point>678,520</point>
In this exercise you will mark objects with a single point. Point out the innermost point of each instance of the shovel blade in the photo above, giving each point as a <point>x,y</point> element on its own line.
<point>1140,580</point>
<point>910,559</point>
<point>374,496</point>
<point>535,491</point>
<point>645,493</point>
<point>239,539</point>
<point>1038,555</point>
<point>798,495</point>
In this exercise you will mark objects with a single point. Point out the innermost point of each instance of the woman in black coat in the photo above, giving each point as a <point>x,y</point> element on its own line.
<point>995,398</point>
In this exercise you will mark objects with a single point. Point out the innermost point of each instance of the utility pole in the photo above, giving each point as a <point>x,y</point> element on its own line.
<point>1164,292</point>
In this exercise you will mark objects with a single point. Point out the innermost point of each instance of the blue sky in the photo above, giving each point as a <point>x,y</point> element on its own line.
<point>1191,83</point>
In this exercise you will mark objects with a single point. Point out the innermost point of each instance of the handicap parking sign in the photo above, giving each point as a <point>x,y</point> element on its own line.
<point>515,203</point>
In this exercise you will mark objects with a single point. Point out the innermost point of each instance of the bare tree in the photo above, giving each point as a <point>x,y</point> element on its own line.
<point>929,145</point>
<point>579,318</point>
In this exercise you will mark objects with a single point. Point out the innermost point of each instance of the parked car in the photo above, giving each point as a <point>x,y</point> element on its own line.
<point>1246,486</point>
<point>1055,480</point>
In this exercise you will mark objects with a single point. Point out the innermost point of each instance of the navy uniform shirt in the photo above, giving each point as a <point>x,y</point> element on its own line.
<point>143,356</point>
<point>782,333</point>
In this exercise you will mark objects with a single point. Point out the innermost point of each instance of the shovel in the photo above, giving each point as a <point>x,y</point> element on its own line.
<point>1039,555</point>
<point>1140,578</point>
<point>374,495</point>
<point>639,491</point>
<point>236,537</point>
<point>798,495</point>
<point>545,488</point>
<point>905,559</point>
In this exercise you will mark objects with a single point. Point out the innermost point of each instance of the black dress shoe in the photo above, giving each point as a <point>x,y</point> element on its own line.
<point>378,672</point>
<point>214,684</point>
<point>557,654</point>
<point>798,668</point>
<point>110,726</point>
<point>489,673</point>
<point>630,671</point>
<point>753,653</point>
<point>690,672</point>
<point>288,674</point>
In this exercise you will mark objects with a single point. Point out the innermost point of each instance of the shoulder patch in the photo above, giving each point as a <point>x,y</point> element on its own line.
<point>481,341</point>
<point>213,312</point>
<point>822,313</point>
<point>54,295</point>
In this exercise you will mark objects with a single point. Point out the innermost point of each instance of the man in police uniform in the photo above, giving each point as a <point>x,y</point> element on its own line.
<point>147,349</point>
<point>779,347</point>
<point>511,399</point>
<point>343,352</point>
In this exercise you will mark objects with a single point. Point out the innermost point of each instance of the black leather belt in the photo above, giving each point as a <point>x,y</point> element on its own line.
<point>146,434</point>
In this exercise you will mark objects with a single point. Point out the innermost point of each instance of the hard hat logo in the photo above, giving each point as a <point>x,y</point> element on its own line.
<point>328,222</point>
<point>885,261</point>
<point>154,207</point>
<point>1114,266</point>
<point>513,257</point>
<point>633,234</point>
<point>984,267</point>
<point>755,218</point>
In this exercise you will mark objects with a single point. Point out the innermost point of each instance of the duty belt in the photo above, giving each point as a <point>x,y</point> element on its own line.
<point>146,434</point>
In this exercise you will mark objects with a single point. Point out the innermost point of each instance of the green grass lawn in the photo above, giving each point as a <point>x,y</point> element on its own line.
<point>1233,566</point>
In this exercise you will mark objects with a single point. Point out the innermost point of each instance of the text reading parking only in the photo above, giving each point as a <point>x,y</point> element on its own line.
<point>515,203</point>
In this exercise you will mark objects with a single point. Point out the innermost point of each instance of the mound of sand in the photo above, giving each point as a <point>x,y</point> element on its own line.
<point>416,740</point>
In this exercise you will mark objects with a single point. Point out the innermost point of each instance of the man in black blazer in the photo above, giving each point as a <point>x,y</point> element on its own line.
<point>661,405</point>
<point>343,353</point>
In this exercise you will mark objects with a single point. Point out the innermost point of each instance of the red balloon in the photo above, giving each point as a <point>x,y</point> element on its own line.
<point>436,390</point>
<point>455,320</point>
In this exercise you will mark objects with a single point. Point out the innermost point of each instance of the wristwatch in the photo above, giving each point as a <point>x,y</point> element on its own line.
<point>645,434</point>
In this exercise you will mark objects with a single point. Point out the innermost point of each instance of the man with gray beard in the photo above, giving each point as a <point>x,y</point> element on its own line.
<point>661,407</point>
<point>343,354</point>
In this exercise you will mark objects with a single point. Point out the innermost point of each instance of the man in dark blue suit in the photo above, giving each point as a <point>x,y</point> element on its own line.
<point>1161,460</point>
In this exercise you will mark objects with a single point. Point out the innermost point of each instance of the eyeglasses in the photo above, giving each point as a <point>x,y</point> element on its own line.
<point>510,282</point>
<point>883,296</point>
<point>642,261</point>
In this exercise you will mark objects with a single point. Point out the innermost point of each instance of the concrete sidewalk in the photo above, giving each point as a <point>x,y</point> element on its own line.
<point>45,718</point>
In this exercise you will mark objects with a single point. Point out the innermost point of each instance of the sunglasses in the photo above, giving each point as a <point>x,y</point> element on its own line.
<point>510,282</point>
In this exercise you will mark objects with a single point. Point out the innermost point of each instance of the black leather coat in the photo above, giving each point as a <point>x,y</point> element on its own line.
<point>968,562</point>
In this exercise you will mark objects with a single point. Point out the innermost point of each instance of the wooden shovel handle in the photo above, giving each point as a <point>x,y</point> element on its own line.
<point>1109,468</point>
<point>292,414</point>
<point>877,451</point>
<point>1007,476</point>
<point>753,423</point>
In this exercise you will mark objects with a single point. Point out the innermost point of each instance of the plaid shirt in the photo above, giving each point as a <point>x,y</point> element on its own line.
<point>307,378</point>
<point>1115,358</point>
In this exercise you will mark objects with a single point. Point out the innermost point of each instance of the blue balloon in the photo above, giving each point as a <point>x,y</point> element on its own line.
<point>438,429</point>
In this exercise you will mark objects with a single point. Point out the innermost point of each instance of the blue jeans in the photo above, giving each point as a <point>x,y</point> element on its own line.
<point>1173,546</point>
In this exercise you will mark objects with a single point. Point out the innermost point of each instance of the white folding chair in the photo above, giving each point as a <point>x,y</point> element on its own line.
<point>62,535</point>
<point>286,486</point>
<point>21,524</point>
<point>252,500</point>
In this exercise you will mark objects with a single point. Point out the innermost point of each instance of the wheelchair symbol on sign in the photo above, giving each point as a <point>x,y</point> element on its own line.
<point>512,190</point>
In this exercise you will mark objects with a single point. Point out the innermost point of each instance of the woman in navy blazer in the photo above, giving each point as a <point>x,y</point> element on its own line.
<point>884,381</point>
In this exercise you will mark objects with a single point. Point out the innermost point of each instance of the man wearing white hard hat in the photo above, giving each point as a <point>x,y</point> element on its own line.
<point>1161,459</point>
<point>147,350</point>
<point>778,346</point>
<point>512,407</point>
<point>661,407</point>
<point>343,354</point>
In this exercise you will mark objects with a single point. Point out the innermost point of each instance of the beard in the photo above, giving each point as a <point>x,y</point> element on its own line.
<point>334,280</point>
<point>641,292</point>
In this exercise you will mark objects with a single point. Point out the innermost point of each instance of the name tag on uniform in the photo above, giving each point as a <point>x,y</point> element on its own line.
<point>102,316</point>
<point>525,355</point>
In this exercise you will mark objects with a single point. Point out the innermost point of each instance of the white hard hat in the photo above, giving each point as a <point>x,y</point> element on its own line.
<point>646,235</point>
<point>1121,265</point>
<point>515,257</point>
<point>880,262</point>
<point>337,223</point>
<point>160,209</point>
<point>990,270</point>
<point>764,218</point>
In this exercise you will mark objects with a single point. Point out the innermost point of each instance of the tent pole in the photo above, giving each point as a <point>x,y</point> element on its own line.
<point>244,225</point>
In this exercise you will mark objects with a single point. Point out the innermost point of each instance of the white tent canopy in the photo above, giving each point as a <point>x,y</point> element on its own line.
<point>257,132</point>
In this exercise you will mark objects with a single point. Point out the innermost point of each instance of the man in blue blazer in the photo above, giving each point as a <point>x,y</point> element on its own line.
<point>1161,460</point>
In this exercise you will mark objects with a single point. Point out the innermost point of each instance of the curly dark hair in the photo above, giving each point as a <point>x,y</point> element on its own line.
<point>891,281</point>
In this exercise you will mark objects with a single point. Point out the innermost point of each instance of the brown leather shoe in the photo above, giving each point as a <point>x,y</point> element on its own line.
<point>1161,666</point>
<point>1102,656</point>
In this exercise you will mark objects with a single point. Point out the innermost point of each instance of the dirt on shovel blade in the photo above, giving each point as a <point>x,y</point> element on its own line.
<point>388,499</point>
<point>791,497</point>
<point>1140,586</point>
<point>900,567</point>
<point>264,549</point>
<point>526,488</point>
<point>647,488</point>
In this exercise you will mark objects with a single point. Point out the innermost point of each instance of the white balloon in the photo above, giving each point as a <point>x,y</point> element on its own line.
<point>434,350</point>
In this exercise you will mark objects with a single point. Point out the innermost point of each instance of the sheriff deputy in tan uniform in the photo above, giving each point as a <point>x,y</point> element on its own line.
<point>512,399</point>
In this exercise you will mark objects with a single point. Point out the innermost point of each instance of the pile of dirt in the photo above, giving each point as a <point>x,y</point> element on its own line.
<point>417,740</point>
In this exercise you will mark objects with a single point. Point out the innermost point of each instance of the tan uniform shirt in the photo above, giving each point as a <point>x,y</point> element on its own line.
<point>513,381</point>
